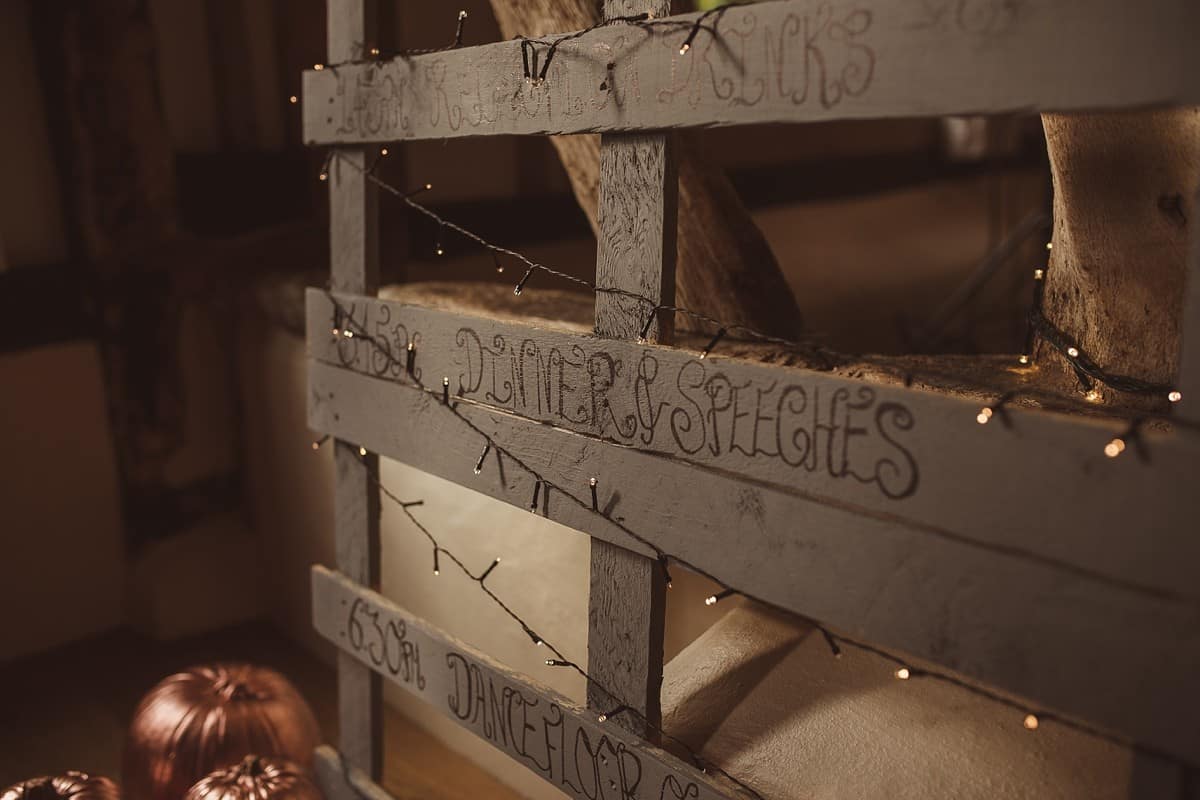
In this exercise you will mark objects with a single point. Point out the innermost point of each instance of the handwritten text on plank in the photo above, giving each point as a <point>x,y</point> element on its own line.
<point>661,400</point>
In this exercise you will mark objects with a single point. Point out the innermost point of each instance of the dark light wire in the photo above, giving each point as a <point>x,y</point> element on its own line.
<point>560,659</point>
<point>826,358</point>
<point>820,357</point>
<point>904,669</point>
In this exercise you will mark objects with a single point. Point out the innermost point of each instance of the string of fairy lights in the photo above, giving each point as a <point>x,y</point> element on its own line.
<point>345,326</point>
<point>535,65</point>
<point>817,356</point>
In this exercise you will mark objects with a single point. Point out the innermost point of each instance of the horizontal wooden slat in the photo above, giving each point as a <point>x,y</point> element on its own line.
<point>564,744</point>
<point>1041,490</point>
<point>1076,640</point>
<point>786,61</point>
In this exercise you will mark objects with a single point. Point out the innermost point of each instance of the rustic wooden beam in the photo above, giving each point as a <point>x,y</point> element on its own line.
<point>781,61</point>
<point>354,253</point>
<point>1055,586</point>
<point>1124,219</point>
<point>635,253</point>
<point>565,745</point>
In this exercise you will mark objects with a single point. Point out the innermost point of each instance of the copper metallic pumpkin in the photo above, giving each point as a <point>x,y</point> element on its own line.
<point>68,786</point>
<point>257,778</point>
<point>210,717</point>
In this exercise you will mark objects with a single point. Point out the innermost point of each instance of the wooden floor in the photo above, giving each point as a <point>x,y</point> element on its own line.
<point>69,708</point>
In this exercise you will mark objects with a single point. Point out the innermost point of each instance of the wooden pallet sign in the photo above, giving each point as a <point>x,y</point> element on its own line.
<point>785,61</point>
<point>1037,605</point>
<point>567,746</point>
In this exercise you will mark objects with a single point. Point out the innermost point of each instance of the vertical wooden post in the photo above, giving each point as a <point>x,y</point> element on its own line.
<point>354,253</point>
<point>636,252</point>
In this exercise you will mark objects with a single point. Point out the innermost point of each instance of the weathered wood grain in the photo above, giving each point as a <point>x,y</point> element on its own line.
<point>636,246</point>
<point>1120,657</point>
<point>1041,488</point>
<point>354,267</point>
<point>565,745</point>
<point>784,61</point>
<point>635,252</point>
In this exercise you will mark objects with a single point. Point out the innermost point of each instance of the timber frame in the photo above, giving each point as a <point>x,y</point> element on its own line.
<point>1017,555</point>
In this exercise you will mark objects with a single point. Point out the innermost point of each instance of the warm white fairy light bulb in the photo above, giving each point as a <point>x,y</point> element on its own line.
<point>1038,274</point>
<point>1073,352</point>
<point>1023,359</point>
<point>1174,396</point>
<point>711,600</point>
<point>1031,722</point>
<point>1115,447</point>
<point>293,99</point>
<point>362,451</point>
<point>903,674</point>
<point>984,415</point>
<point>318,67</point>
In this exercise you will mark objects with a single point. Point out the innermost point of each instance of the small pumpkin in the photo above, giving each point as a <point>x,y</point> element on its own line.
<point>68,786</point>
<point>209,717</point>
<point>257,778</point>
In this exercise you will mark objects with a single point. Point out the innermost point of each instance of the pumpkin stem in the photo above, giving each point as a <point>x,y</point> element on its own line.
<point>251,766</point>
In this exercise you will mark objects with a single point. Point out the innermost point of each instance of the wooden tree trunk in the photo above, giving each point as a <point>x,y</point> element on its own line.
<point>726,269</point>
<point>1124,201</point>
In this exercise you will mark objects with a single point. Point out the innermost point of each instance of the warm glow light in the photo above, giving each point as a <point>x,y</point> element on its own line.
<point>1038,274</point>
<point>1092,396</point>
<point>383,151</point>
<point>316,445</point>
<point>983,416</point>
<point>318,67</point>
<point>324,176</point>
<point>1049,245</point>
<point>1031,722</point>
<point>1073,352</point>
<point>1023,359</point>
<point>711,600</point>
<point>602,717</point>
<point>293,99</point>
<point>374,51</point>
<point>349,334</point>
<point>1174,396</point>
<point>362,451</point>
<point>903,673</point>
<point>683,50</point>
<point>1115,447</point>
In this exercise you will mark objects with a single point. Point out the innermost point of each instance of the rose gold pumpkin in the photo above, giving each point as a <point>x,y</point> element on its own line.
<point>210,717</point>
<point>68,786</point>
<point>257,778</point>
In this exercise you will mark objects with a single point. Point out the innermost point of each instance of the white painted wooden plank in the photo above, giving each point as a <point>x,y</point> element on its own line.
<point>784,61</point>
<point>1123,659</point>
<point>542,731</point>
<point>1042,488</point>
<point>354,267</point>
